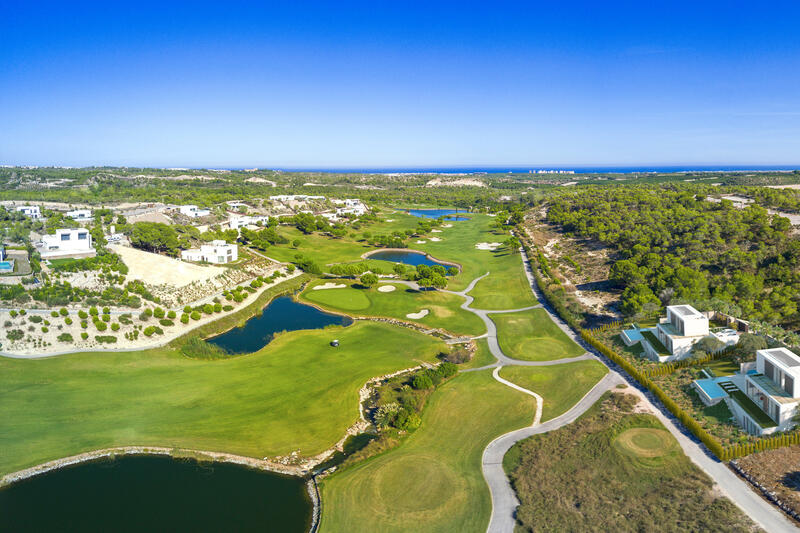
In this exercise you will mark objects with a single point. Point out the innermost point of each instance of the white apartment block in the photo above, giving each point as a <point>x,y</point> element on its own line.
<point>218,253</point>
<point>193,211</point>
<point>79,214</point>
<point>683,327</point>
<point>30,211</point>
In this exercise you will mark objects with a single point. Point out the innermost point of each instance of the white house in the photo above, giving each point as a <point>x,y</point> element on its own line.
<point>67,243</point>
<point>775,388</point>
<point>351,206</point>
<point>675,335</point>
<point>238,222</point>
<point>30,211</point>
<point>79,214</point>
<point>218,252</point>
<point>193,211</point>
<point>294,197</point>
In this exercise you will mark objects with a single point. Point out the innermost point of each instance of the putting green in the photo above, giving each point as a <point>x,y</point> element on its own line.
<point>650,447</point>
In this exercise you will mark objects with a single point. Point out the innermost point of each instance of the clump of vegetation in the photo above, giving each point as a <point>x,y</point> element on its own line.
<point>65,337</point>
<point>105,339</point>
<point>197,348</point>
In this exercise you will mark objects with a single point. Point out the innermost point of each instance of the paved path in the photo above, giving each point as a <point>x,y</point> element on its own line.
<point>504,500</point>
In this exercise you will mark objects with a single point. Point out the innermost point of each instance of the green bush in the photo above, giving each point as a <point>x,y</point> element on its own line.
<point>184,318</point>
<point>45,329</point>
<point>100,325</point>
<point>158,312</point>
<point>171,315</point>
<point>217,308</point>
<point>195,315</point>
<point>63,311</point>
<point>36,319</point>
<point>65,337</point>
<point>13,313</point>
<point>208,309</point>
<point>83,315</point>
<point>93,311</point>
<point>15,334</point>
<point>106,318</point>
<point>149,330</point>
<point>422,381</point>
<point>22,312</point>
<point>54,314</point>
<point>187,309</point>
<point>84,324</point>
<point>84,335</point>
<point>105,339</point>
<point>227,307</point>
<point>106,310</point>
<point>166,322</point>
<point>68,321</point>
<point>114,327</point>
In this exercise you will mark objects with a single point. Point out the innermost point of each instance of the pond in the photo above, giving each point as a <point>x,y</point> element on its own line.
<point>450,214</point>
<point>407,257</point>
<point>151,493</point>
<point>282,314</point>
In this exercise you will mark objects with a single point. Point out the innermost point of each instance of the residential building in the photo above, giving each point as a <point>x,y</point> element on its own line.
<point>675,335</point>
<point>30,211</point>
<point>67,243</point>
<point>79,214</point>
<point>774,386</point>
<point>294,197</point>
<point>193,211</point>
<point>218,252</point>
<point>351,206</point>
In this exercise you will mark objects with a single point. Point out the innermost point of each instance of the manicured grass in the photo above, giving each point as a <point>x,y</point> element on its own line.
<point>432,482</point>
<point>612,470</point>
<point>444,309</point>
<point>297,393</point>
<point>722,367</point>
<point>532,336</point>
<point>655,343</point>
<point>560,386</point>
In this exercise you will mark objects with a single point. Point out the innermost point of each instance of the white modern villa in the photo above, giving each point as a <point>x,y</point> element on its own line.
<point>193,211</point>
<point>218,253</point>
<point>79,215</point>
<point>30,211</point>
<point>763,396</point>
<point>67,243</point>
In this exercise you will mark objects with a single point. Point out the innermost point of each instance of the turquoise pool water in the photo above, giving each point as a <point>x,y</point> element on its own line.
<point>6,266</point>
<point>711,388</point>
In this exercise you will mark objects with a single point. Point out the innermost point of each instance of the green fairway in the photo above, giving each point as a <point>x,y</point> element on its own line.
<point>433,480</point>
<point>444,309</point>
<point>532,336</point>
<point>560,386</point>
<point>297,393</point>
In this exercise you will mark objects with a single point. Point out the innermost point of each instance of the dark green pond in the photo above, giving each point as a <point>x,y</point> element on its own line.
<point>150,493</point>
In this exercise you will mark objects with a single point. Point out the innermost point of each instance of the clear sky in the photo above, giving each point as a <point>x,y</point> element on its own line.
<point>373,84</point>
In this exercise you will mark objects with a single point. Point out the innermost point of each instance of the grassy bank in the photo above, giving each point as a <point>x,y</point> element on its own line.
<point>532,336</point>
<point>297,393</point>
<point>433,480</point>
<point>612,470</point>
<point>444,309</point>
<point>560,386</point>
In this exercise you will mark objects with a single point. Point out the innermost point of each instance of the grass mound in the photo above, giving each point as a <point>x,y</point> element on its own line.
<point>649,446</point>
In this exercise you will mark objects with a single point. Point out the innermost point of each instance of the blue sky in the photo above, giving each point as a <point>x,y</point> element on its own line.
<point>375,84</point>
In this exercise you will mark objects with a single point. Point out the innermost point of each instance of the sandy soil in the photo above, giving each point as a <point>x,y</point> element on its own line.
<point>329,285</point>
<point>488,245</point>
<point>420,314</point>
<point>420,242</point>
<point>459,182</point>
<point>150,217</point>
<point>387,288</point>
<point>435,239</point>
<point>791,186</point>
<point>260,180</point>
<point>777,470</point>
<point>155,269</point>
<point>447,225</point>
<point>436,231</point>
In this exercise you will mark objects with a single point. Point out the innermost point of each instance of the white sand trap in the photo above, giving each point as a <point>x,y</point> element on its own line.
<point>436,231</point>
<point>447,225</point>
<point>329,286</point>
<point>389,220</point>
<point>420,314</point>
<point>421,242</point>
<point>387,288</point>
<point>435,239</point>
<point>488,245</point>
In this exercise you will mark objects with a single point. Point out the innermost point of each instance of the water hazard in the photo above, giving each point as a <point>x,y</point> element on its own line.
<point>282,314</point>
<point>407,257</point>
<point>150,493</point>
<point>449,214</point>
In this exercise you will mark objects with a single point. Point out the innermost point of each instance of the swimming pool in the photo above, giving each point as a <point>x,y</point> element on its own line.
<point>710,391</point>
<point>6,266</point>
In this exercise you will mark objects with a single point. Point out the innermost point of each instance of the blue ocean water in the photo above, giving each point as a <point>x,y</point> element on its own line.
<point>576,169</point>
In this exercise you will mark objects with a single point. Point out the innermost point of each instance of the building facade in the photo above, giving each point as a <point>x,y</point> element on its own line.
<point>218,253</point>
<point>67,243</point>
<point>30,211</point>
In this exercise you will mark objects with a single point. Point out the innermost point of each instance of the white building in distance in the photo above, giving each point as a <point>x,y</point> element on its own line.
<point>79,215</point>
<point>350,206</point>
<point>67,243</point>
<point>30,211</point>
<point>193,211</point>
<point>218,253</point>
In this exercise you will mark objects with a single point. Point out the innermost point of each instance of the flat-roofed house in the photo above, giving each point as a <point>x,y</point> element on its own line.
<point>675,335</point>
<point>218,253</point>
<point>193,211</point>
<point>79,214</point>
<point>67,243</point>
<point>774,387</point>
<point>30,211</point>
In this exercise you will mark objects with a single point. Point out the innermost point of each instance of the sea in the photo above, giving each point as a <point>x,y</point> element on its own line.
<point>535,169</point>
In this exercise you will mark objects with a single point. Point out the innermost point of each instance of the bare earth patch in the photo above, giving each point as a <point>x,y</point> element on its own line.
<point>778,471</point>
<point>459,182</point>
<point>155,269</point>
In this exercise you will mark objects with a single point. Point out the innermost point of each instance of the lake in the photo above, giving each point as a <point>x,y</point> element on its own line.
<point>436,213</point>
<point>282,314</point>
<point>405,256</point>
<point>152,493</point>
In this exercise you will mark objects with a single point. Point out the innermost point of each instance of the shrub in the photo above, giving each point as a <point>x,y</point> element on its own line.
<point>158,312</point>
<point>256,283</point>
<point>125,319</point>
<point>54,314</point>
<point>68,321</point>
<point>217,308</point>
<point>447,369</point>
<point>106,318</point>
<point>63,311</point>
<point>187,309</point>
<point>166,322</point>
<point>65,337</point>
<point>22,312</point>
<point>100,325</point>
<point>227,307</point>
<point>13,313</point>
<point>84,324</point>
<point>144,317</point>
<point>197,348</point>
<point>15,334</point>
<point>114,327</point>
<point>195,315</point>
<point>422,381</point>
<point>83,315</point>
<point>45,329</point>
<point>149,330</point>
<point>208,309</point>
<point>290,268</point>
<point>106,310</point>
<point>84,335</point>
<point>35,319</point>
<point>93,311</point>
<point>107,339</point>
<point>184,318</point>
<point>46,322</point>
<point>171,315</point>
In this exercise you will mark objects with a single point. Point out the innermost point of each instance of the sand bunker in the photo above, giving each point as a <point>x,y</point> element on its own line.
<point>329,286</point>
<point>420,314</point>
<point>447,225</point>
<point>435,239</point>
<point>488,245</point>
<point>436,231</point>
<point>389,220</point>
<point>421,242</point>
<point>387,288</point>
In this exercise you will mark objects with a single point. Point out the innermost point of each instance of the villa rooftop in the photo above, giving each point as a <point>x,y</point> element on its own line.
<point>687,311</point>
<point>783,356</point>
<point>672,331</point>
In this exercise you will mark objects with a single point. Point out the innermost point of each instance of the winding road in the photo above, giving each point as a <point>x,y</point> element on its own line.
<point>504,500</point>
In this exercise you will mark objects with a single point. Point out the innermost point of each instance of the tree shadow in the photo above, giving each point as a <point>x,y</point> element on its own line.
<point>791,480</point>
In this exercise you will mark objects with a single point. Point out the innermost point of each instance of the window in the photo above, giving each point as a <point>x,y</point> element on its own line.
<point>769,370</point>
<point>65,236</point>
<point>788,385</point>
<point>82,236</point>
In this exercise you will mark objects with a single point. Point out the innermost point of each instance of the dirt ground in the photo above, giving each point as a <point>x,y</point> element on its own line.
<point>150,217</point>
<point>778,471</point>
<point>156,269</point>
<point>459,182</point>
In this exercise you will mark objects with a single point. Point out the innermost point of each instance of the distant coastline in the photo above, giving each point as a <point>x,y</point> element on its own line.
<point>534,169</point>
